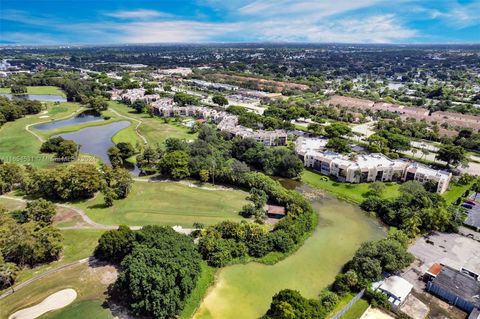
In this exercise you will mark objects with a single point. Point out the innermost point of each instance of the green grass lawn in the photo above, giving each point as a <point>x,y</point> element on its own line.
<point>91,309</point>
<point>89,283</point>
<point>53,90</point>
<point>10,204</point>
<point>455,191</point>
<point>78,244</point>
<point>341,303</point>
<point>168,203</point>
<point>357,310</point>
<point>351,192</point>
<point>17,144</point>
<point>206,279</point>
<point>155,130</point>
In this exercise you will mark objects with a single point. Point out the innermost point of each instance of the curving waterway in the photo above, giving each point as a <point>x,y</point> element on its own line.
<point>245,291</point>
<point>96,140</point>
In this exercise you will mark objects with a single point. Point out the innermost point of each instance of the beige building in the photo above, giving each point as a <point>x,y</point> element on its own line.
<point>226,122</point>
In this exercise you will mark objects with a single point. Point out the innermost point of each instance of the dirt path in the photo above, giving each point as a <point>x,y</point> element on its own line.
<point>132,119</point>
<point>57,300</point>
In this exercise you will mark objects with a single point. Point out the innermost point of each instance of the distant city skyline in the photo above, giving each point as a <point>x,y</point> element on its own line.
<point>50,22</point>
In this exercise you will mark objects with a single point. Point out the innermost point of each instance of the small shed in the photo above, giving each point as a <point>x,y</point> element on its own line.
<point>274,211</point>
<point>396,288</point>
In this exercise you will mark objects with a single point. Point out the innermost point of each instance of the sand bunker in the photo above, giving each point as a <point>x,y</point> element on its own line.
<point>55,301</point>
<point>44,116</point>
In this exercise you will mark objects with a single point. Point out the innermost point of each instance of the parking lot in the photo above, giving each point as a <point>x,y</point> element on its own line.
<point>473,218</point>
<point>453,250</point>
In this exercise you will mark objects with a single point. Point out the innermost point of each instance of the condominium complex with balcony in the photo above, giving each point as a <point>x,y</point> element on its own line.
<point>364,168</point>
<point>225,122</point>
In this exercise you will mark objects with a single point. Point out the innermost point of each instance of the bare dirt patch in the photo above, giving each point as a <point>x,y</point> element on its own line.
<point>66,216</point>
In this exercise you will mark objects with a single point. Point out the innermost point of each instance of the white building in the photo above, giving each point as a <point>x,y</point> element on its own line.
<point>226,122</point>
<point>365,168</point>
<point>422,173</point>
<point>396,289</point>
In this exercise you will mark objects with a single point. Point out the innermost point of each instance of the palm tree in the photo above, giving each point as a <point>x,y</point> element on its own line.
<point>357,175</point>
<point>414,151</point>
<point>412,225</point>
<point>425,152</point>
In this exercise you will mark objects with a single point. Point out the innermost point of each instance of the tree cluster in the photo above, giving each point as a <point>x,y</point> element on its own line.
<point>27,237</point>
<point>160,268</point>
<point>370,261</point>
<point>65,150</point>
<point>269,121</point>
<point>72,182</point>
<point>119,153</point>
<point>183,99</point>
<point>226,242</point>
<point>216,155</point>
<point>11,110</point>
<point>415,211</point>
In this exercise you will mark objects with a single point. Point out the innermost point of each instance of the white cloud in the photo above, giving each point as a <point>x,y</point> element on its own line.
<point>376,29</point>
<point>137,14</point>
<point>28,38</point>
<point>295,7</point>
<point>453,14</point>
<point>324,24</point>
<point>172,31</point>
<point>463,16</point>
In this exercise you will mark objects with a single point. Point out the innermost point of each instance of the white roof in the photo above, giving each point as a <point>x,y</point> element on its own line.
<point>425,170</point>
<point>396,286</point>
<point>306,144</point>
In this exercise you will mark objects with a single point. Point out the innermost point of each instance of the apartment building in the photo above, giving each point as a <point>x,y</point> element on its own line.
<point>212,85</point>
<point>422,173</point>
<point>364,168</point>
<point>225,122</point>
<point>133,95</point>
<point>452,119</point>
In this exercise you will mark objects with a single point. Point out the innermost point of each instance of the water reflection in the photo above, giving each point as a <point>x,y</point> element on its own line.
<point>36,97</point>
<point>84,117</point>
<point>96,140</point>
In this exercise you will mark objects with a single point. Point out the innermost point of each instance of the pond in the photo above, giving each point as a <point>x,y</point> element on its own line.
<point>36,97</point>
<point>96,140</point>
<point>245,291</point>
<point>84,117</point>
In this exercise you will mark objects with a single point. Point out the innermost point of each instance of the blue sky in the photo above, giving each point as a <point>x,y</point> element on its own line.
<point>196,21</point>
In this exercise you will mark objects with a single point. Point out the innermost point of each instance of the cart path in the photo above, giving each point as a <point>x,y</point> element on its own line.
<point>27,127</point>
<point>183,182</point>
<point>92,224</point>
<point>139,122</point>
<point>30,281</point>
